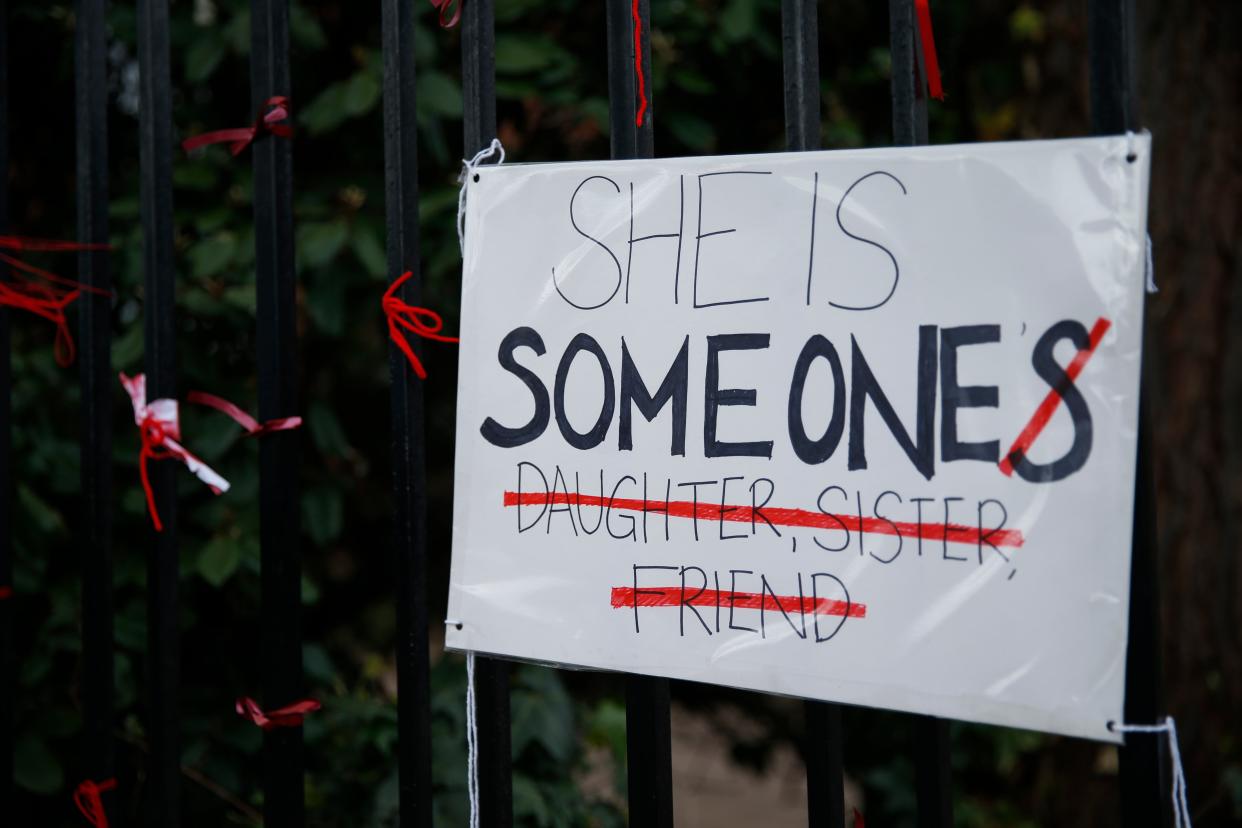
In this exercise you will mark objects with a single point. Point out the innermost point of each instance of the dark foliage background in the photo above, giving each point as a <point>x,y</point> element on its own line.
<point>1012,69</point>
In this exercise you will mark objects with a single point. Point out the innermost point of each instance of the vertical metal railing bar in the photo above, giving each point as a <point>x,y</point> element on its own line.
<point>648,737</point>
<point>909,102</point>
<point>930,735</point>
<point>825,774</point>
<point>8,659</point>
<point>478,75</point>
<point>933,771</point>
<point>825,769</point>
<point>276,338</point>
<point>800,54</point>
<point>408,449</point>
<point>628,139</point>
<point>1144,793</point>
<point>159,281</point>
<point>98,386</point>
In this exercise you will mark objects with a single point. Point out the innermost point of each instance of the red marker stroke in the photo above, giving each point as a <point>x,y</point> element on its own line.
<point>776,516</point>
<point>672,596</point>
<point>1049,406</point>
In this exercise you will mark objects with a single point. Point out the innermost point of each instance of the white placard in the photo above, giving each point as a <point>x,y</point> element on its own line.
<point>856,426</point>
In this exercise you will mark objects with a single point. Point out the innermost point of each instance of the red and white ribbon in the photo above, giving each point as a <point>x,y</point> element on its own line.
<point>160,426</point>
<point>291,715</point>
<point>252,426</point>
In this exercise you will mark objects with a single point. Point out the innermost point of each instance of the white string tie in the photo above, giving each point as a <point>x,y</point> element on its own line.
<point>467,172</point>
<point>1151,269</point>
<point>472,743</point>
<point>1181,811</point>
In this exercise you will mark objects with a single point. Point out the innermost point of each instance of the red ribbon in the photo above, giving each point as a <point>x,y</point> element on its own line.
<point>271,118</point>
<point>638,63</point>
<point>87,798</point>
<point>45,300</point>
<point>44,245</point>
<point>420,321</point>
<point>291,715</point>
<point>160,428</point>
<point>858,819</point>
<point>443,6</point>
<point>930,63</point>
<point>250,424</point>
<point>6,592</point>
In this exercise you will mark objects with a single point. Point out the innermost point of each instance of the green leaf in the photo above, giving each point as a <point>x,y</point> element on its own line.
<point>237,32</point>
<point>195,175</point>
<point>45,518</point>
<point>326,431</point>
<point>737,21</point>
<point>241,297</point>
<point>305,29</point>
<point>318,664</point>
<point>518,53</point>
<point>691,130</point>
<point>218,560</point>
<point>36,766</point>
<point>328,109</point>
<point>440,94</point>
<point>692,81</point>
<point>326,305</point>
<point>361,93</point>
<point>323,514</point>
<point>210,256</point>
<point>203,56</point>
<point>542,715</point>
<point>368,250</point>
<point>529,806</point>
<point>318,243</point>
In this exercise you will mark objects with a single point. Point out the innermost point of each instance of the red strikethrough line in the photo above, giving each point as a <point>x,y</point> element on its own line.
<point>950,532</point>
<point>672,597</point>
<point>1049,406</point>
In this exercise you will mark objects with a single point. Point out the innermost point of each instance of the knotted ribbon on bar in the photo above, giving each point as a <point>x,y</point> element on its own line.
<point>420,321</point>
<point>291,715</point>
<point>87,798</point>
<point>272,118</point>
<point>46,300</point>
<point>930,63</point>
<point>6,592</point>
<point>442,6</point>
<point>252,426</point>
<point>160,427</point>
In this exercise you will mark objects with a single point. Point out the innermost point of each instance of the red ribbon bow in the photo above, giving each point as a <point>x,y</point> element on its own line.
<point>420,321</point>
<point>443,6</point>
<point>291,715</point>
<point>930,63</point>
<point>6,592</point>
<point>87,798</point>
<point>160,427</point>
<point>271,118</point>
<point>46,300</point>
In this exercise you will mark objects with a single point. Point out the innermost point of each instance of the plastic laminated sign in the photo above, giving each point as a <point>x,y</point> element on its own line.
<point>856,426</point>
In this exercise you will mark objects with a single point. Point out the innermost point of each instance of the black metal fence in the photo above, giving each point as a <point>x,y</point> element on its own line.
<point>650,785</point>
